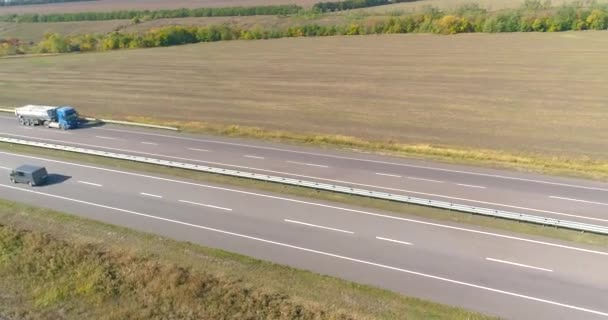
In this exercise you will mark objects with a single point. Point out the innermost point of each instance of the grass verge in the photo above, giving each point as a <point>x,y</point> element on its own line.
<point>389,207</point>
<point>57,266</point>
<point>582,167</point>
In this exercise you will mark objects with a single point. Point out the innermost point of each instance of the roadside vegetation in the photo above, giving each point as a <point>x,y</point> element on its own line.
<point>58,266</point>
<point>386,207</point>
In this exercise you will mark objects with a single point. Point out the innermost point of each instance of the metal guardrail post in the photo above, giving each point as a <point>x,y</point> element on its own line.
<point>327,187</point>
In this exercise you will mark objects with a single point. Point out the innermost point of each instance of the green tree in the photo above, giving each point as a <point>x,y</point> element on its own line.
<point>53,43</point>
<point>597,20</point>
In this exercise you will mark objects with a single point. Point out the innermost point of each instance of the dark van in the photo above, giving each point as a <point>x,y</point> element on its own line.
<point>32,175</point>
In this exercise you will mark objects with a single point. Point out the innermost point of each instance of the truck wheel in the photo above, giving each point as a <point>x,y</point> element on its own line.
<point>22,121</point>
<point>61,126</point>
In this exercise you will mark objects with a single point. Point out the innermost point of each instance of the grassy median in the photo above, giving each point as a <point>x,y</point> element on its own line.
<point>388,207</point>
<point>58,266</point>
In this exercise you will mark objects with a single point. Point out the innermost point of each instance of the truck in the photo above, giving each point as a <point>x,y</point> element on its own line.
<point>50,116</point>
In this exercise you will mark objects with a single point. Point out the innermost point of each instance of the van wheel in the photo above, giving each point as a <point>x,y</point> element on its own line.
<point>31,184</point>
<point>13,180</point>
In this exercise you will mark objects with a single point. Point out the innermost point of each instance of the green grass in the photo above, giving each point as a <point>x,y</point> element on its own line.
<point>57,266</point>
<point>381,206</point>
<point>537,104</point>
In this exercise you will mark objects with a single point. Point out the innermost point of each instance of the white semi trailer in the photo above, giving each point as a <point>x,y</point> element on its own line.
<point>49,116</point>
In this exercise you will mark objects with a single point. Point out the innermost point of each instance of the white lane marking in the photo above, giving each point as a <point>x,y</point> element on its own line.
<point>59,131</point>
<point>577,200</point>
<point>518,264</point>
<point>324,179</point>
<point>253,157</point>
<point>332,180</point>
<point>369,263</point>
<point>388,175</point>
<point>150,195</point>
<point>90,183</point>
<point>5,168</point>
<point>317,226</point>
<point>470,186</point>
<point>308,164</point>
<point>396,241</point>
<point>367,160</point>
<point>497,235</point>
<point>149,143</point>
<point>201,150</point>
<point>205,205</point>
<point>422,179</point>
<point>106,138</point>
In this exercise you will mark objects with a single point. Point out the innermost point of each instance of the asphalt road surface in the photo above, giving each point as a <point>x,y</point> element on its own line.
<point>561,198</point>
<point>509,275</point>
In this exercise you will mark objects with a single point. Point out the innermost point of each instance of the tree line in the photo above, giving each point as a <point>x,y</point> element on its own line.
<point>352,4</point>
<point>153,14</point>
<point>4,3</point>
<point>470,18</point>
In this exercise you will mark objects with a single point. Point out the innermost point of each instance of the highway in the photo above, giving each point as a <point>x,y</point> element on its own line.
<point>561,198</point>
<point>509,275</point>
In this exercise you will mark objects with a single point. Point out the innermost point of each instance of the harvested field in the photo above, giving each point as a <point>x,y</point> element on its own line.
<point>111,5</point>
<point>532,93</point>
<point>35,31</point>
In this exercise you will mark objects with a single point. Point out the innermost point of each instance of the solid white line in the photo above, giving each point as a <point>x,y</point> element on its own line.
<point>497,235</point>
<point>324,179</point>
<point>253,157</point>
<point>382,266</point>
<point>519,264</point>
<point>195,149</point>
<point>388,175</point>
<point>107,138</point>
<point>577,200</point>
<point>150,195</point>
<point>396,241</point>
<point>5,168</point>
<point>149,143</point>
<point>470,186</point>
<point>205,205</point>
<point>367,160</point>
<point>308,164</point>
<point>90,183</point>
<point>317,226</point>
<point>422,179</point>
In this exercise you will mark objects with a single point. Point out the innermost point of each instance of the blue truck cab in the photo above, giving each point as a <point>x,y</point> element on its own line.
<point>67,117</point>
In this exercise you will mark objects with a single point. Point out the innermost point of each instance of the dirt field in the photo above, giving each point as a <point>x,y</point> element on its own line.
<point>111,5</point>
<point>539,93</point>
<point>35,31</point>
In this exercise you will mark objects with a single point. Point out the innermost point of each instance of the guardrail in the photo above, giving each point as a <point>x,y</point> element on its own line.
<point>328,187</point>
<point>126,123</point>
